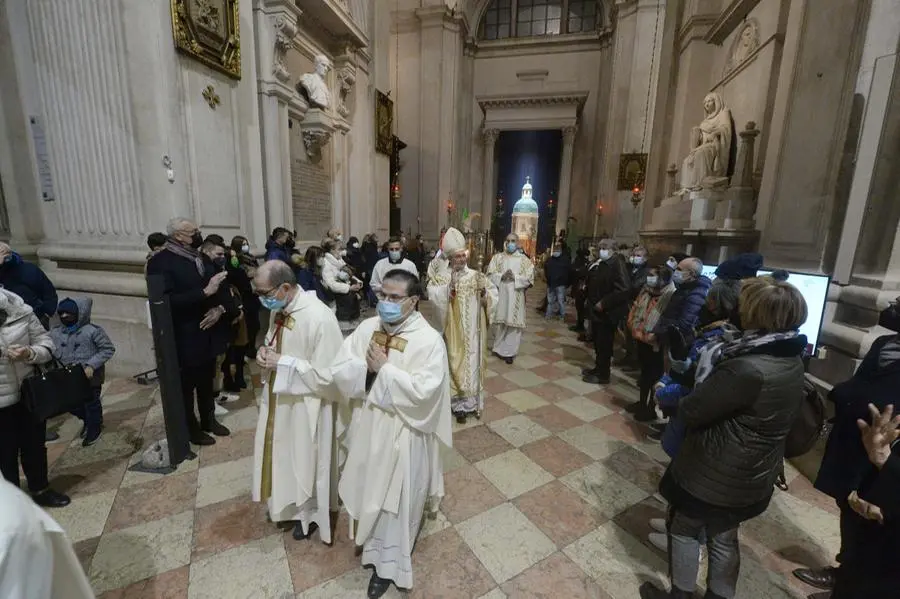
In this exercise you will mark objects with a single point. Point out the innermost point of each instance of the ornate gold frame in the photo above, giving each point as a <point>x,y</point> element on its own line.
<point>213,38</point>
<point>384,123</point>
<point>632,171</point>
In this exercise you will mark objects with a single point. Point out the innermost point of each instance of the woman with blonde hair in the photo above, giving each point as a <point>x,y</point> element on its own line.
<point>737,420</point>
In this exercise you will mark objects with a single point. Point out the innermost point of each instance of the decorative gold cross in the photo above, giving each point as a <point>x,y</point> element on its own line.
<point>211,97</point>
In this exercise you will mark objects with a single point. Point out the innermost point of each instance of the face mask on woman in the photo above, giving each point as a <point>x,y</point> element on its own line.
<point>652,281</point>
<point>245,248</point>
<point>320,262</point>
<point>638,260</point>
<point>672,264</point>
<point>556,254</point>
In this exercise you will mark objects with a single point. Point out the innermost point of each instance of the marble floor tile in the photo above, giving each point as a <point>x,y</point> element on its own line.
<point>551,392</point>
<point>795,530</point>
<point>238,445</point>
<point>312,562</point>
<point>87,478</point>
<point>528,361</point>
<point>556,576</point>
<point>494,409</point>
<point>549,357</point>
<point>133,554</point>
<point>592,441</point>
<point>636,467</point>
<point>228,524</point>
<point>451,459</point>
<point>553,418</point>
<point>559,512</point>
<point>112,445</point>
<point>86,516</point>
<point>467,493</point>
<point>617,561</point>
<point>635,520</point>
<point>259,568</point>
<point>622,428</point>
<point>603,489</point>
<point>522,400</point>
<point>350,585</point>
<point>85,550</point>
<point>499,384</point>
<point>555,456</point>
<point>242,419</point>
<point>519,429</point>
<point>584,409</point>
<point>505,541</point>
<point>512,473</point>
<point>224,481</point>
<point>433,524</point>
<point>444,566</point>
<point>168,585</point>
<point>577,386</point>
<point>802,488</point>
<point>133,477</point>
<point>469,423</point>
<point>478,443</point>
<point>153,500</point>
<point>606,399</point>
<point>488,373</point>
<point>549,372</point>
<point>495,594</point>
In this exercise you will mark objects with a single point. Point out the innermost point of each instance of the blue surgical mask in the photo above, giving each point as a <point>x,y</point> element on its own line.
<point>605,254</point>
<point>678,277</point>
<point>638,260</point>
<point>390,312</point>
<point>652,281</point>
<point>395,256</point>
<point>672,264</point>
<point>273,304</point>
<point>511,247</point>
<point>556,254</point>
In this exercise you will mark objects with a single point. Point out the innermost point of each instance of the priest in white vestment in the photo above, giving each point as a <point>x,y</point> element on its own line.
<point>295,463</point>
<point>465,300</point>
<point>512,272</point>
<point>393,370</point>
<point>36,557</point>
<point>393,261</point>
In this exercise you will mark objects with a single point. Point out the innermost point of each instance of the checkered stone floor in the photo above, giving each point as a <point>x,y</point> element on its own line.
<point>548,495</point>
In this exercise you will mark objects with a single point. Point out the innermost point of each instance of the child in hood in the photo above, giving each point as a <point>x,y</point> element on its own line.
<point>78,341</point>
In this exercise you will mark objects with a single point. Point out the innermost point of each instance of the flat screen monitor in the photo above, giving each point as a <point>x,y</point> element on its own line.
<point>814,288</point>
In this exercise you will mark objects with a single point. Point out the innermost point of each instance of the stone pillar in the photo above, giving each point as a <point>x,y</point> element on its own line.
<point>736,211</point>
<point>488,192</point>
<point>279,104</point>
<point>565,177</point>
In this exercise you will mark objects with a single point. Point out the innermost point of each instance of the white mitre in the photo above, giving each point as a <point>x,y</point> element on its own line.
<point>454,241</point>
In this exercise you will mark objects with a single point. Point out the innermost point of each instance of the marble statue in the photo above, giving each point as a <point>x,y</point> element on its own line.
<point>315,85</point>
<point>706,165</point>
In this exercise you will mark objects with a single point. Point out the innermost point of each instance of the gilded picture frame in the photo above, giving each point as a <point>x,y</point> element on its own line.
<point>209,31</point>
<point>632,171</point>
<point>384,123</point>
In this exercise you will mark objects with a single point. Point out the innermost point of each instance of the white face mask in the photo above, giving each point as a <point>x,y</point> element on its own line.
<point>343,253</point>
<point>320,262</point>
<point>245,248</point>
<point>638,260</point>
<point>605,254</point>
<point>652,281</point>
<point>672,264</point>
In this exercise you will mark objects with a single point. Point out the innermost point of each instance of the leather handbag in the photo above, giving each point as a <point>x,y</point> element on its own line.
<point>55,389</point>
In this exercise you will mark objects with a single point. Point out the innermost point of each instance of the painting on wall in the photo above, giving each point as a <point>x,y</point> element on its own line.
<point>632,168</point>
<point>209,31</point>
<point>384,123</point>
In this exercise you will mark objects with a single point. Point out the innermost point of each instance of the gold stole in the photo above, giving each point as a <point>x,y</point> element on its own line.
<point>281,323</point>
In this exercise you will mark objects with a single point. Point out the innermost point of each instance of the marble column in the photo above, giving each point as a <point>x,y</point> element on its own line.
<point>488,193</point>
<point>276,25</point>
<point>565,177</point>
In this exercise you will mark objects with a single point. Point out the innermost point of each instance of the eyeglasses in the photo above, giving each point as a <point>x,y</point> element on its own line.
<point>392,299</point>
<point>266,293</point>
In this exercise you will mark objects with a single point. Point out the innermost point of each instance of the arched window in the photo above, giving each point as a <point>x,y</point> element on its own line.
<point>534,18</point>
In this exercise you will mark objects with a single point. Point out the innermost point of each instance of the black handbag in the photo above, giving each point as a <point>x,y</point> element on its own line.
<point>55,389</point>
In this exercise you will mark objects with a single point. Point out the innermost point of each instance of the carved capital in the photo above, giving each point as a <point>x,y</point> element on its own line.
<point>489,136</point>
<point>317,128</point>
<point>569,134</point>
<point>315,140</point>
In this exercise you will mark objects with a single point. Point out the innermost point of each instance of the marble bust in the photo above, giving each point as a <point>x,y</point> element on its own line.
<point>706,165</point>
<point>314,84</point>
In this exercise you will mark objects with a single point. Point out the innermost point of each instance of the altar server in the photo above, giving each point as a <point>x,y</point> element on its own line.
<point>512,273</point>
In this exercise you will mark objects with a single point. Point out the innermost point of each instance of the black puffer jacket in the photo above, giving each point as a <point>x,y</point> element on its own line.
<point>737,422</point>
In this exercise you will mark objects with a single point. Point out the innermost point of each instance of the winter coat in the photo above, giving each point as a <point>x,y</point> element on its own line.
<point>85,343</point>
<point>609,285</point>
<point>31,284</point>
<point>683,310</point>
<point>309,281</point>
<point>845,462</point>
<point>275,251</point>
<point>638,275</point>
<point>23,328</point>
<point>557,271</point>
<point>737,421</point>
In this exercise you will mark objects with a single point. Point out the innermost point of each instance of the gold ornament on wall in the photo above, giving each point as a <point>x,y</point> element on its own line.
<point>211,97</point>
<point>209,31</point>
<point>384,123</point>
<point>631,171</point>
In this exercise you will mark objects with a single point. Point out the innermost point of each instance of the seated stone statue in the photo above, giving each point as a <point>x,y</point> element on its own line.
<point>706,166</point>
<point>314,86</point>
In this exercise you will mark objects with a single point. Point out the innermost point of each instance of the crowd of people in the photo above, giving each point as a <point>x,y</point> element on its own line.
<point>354,410</point>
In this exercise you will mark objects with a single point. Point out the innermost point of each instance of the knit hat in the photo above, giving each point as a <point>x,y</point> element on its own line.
<point>742,266</point>
<point>68,306</point>
<point>453,242</point>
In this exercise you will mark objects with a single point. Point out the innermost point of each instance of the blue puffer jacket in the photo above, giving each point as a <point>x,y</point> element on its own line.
<point>84,343</point>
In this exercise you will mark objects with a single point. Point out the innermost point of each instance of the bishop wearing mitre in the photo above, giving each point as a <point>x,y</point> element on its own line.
<point>295,466</point>
<point>393,372</point>
<point>512,272</point>
<point>465,300</point>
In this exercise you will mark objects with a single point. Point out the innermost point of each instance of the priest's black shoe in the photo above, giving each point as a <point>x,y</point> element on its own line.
<point>645,414</point>
<point>633,408</point>
<point>378,586</point>
<point>595,379</point>
<point>298,533</point>
<point>216,428</point>
<point>588,371</point>
<point>821,579</point>
<point>50,498</point>
<point>649,590</point>
<point>201,438</point>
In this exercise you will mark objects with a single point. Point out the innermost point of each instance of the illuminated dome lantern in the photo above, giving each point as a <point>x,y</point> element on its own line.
<point>525,219</point>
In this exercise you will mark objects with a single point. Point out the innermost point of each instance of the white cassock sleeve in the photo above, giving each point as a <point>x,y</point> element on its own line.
<point>349,369</point>
<point>493,272</point>
<point>493,295</point>
<point>296,376</point>
<point>414,396</point>
<point>525,276</point>
<point>377,274</point>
